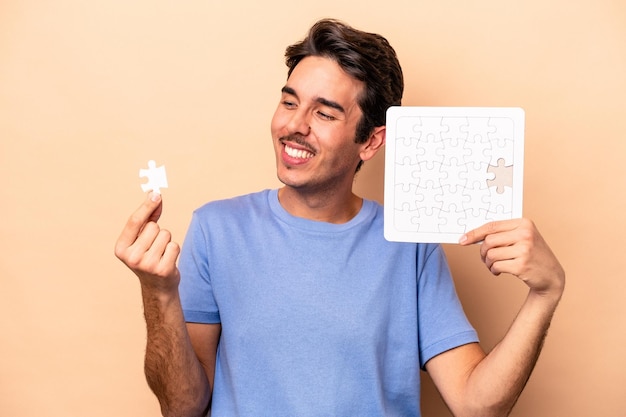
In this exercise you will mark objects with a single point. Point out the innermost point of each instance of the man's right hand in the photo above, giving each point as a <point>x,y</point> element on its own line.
<point>148,250</point>
<point>173,371</point>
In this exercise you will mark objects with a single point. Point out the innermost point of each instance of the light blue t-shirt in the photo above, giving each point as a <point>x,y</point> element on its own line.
<point>318,319</point>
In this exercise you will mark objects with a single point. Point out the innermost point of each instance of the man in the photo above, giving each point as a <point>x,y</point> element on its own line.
<point>292,303</point>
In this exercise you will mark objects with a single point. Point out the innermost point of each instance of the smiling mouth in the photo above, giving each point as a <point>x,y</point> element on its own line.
<point>297,153</point>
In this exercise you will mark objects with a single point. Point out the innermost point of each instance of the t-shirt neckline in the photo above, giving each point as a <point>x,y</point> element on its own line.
<point>367,210</point>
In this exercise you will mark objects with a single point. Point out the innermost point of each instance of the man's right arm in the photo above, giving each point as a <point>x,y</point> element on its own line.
<point>178,370</point>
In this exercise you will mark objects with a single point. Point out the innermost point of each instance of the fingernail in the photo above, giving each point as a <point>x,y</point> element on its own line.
<point>463,239</point>
<point>155,196</point>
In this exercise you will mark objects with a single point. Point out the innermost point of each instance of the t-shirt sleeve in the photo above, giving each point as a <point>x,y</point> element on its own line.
<point>196,292</point>
<point>443,324</point>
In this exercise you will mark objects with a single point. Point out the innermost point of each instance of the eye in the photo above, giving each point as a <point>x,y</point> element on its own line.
<point>289,104</point>
<point>325,116</point>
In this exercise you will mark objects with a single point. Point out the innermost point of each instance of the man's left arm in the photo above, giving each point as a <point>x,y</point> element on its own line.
<point>475,384</point>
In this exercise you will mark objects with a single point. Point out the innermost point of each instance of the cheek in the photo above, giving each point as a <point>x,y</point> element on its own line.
<point>277,123</point>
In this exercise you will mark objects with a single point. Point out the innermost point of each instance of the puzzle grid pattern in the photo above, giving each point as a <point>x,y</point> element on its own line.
<point>451,174</point>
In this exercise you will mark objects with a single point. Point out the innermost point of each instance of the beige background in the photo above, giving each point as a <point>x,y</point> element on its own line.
<point>91,90</point>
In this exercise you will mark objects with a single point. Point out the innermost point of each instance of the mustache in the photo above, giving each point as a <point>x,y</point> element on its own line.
<point>297,139</point>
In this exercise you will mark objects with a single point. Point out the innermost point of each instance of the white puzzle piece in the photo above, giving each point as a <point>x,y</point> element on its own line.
<point>451,169</point>
<point>156,177</point>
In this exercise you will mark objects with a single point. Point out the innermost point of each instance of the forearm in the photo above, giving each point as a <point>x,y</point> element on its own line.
<point>172,368</point>
<point>497,381</point>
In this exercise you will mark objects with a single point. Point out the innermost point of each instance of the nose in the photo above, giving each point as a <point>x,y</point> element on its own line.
<point>299,123</point>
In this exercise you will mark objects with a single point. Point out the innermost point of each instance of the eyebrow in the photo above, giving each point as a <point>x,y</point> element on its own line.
<point>321,100</point>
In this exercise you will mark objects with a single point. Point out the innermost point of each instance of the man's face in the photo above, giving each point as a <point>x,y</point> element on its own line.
<point>314,126</point>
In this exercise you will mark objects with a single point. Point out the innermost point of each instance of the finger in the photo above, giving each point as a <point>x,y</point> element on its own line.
<point>150,210</point>
<point>162,255</point>
<point>480,233</point>
<point>507,266</point>
<point>497,240</point>
<point>147,237</point>
<point>497,255</point>
<point>156,214</point>
<point>135,255</point>
<point>157,247</point>
<point>168,260</point>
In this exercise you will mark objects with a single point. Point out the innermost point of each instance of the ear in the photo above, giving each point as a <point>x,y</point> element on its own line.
<point>375,142</point>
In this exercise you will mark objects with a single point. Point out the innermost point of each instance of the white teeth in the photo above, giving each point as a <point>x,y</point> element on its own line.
<point>297,153</point>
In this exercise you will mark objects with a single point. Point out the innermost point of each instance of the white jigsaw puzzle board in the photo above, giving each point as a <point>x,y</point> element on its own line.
<point>451,169</point>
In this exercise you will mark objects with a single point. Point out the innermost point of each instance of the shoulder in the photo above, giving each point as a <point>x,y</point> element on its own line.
<point>234,205</point>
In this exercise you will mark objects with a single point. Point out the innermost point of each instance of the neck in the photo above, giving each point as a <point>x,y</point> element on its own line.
<point>337,209</point>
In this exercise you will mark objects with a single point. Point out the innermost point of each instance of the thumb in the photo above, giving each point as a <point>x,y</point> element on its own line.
<point>156,201</point>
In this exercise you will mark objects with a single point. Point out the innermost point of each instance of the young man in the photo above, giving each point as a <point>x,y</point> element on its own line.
<point>290,301</point>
